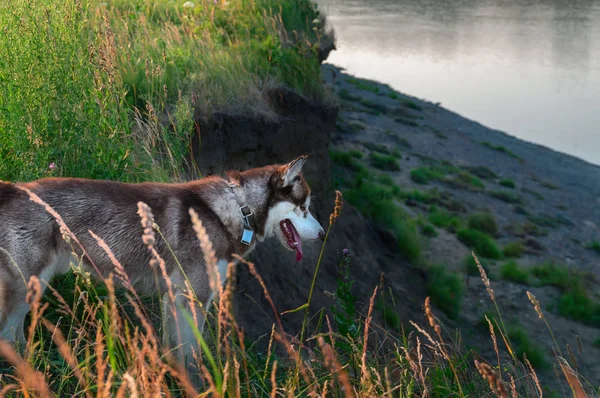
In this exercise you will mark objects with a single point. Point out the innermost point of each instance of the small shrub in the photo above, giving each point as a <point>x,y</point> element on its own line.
<point>576,304</point>
<point>500,148</point>
<point>508,183</point>
<point>484,222</point>
<point>523,345</point>
<point>549,273</point>
<point>345,95</point>
<point>347,160</point>
<point>535,194</point>
<point>355,153</point>
<point>514,249</point>
<point>466,180</point>
<point>512,272</point>
<point>521,210</point>
<point>594,245</point>
<point>375,106</point>
<point>482,172</point>
<point>424,175</point>
<point>384,162</point>
<point>427,197</point>
<point>429,230</point>
<point>355,127</point>
<point>443,219</point>
<point>392,95</point>
<point>596,343</point>
<point>407,122</point>
<point>445,289</point>
<point>506,196</point>
<point>372,146</point>
<point>482,243</point>
<point>364,85</point>
<point>472,269</point>
<point>411,105</point>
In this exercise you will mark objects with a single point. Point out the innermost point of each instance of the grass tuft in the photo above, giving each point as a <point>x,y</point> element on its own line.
<point>482,243</point>
<point>484,222</point>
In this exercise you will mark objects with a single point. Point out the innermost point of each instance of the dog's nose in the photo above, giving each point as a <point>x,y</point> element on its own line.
<point>322,235</point>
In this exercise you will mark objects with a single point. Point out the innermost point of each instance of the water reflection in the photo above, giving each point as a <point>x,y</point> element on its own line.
<point>530,68</point>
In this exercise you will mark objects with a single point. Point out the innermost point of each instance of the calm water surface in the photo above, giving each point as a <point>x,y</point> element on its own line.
<point>529,68</point>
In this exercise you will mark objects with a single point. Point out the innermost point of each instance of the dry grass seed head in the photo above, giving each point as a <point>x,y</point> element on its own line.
<point>489,374</point>
<point>536,304</point>
<point>31,378</point>
<point>337,210</point>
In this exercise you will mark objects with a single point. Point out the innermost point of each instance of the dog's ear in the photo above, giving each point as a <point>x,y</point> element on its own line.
<point>290,171</point>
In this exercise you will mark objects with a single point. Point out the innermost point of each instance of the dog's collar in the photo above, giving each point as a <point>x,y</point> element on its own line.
<point>247,216</point>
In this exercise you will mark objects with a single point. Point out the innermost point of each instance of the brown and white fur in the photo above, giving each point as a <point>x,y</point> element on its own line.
<point>31,241</point>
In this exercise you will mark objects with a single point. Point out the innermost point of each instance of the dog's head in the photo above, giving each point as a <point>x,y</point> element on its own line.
<point>289,217</point>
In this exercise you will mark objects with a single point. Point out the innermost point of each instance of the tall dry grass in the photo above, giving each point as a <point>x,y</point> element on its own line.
<point>111,347</point>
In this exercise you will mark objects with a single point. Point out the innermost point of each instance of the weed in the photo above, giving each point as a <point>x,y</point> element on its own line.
<point>429,230</point>
<point>512,272</point>
<point>375,106</point>
<point>482,243</point>
<point>347,159</point>
<point>508,183</point>
<point>471,268</point>
<point>506,196</point>
<point>483,222</point>
<point>535,194</point>
<point>356,127</point>
<point>411,105</point>
<point>514,249</point>
<point>345,95</point>
<point>406,121</point>
<point>384,162</point>
<point>524,346</point>
<point>364,85</point>
<point>594,245</point>
<point>482,172</point>
<point>443,219</point>
<point>464,179</point>
<point>424,175</point>
<point>500,148</point>
<point>446,290</point>
<point>355,153</point>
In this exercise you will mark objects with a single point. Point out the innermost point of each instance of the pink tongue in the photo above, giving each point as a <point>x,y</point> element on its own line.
<point>298,244</point>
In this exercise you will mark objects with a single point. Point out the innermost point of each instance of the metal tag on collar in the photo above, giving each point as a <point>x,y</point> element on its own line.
<point>248,232</point>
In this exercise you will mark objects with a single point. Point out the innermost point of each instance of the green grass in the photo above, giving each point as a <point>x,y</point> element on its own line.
<point>424,175</point>
<point>347,159</point>
<point>483,244</point>
<point>535,194</point>
<point>466,180</point>
<point>483,222</point>
<point>446,290</point>
<point>378,202</point>
<point>355,127</point>
<point>345,95</point>
<point>508,183</point>
<point>482,172</point>
<point>364,85</point>
<point>506,196</point>
<point>384,162</point>
<point>429,230</point>
<point>355,153</point>
<point>501,149</point>
<point>596,343</point>
<point>514,249</point>
<point>523,346</point>
<point>69,78</point>
<point>594,245</point>
<point>470,267</point>
<point>444,219</point>
<point>374,106</point>
<point>411,105</point>
<point>511,271</point>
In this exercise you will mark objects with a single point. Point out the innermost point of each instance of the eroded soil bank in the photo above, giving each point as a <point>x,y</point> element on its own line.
<point>440,169</point>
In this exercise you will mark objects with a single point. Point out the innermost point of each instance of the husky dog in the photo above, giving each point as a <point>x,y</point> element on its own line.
<point>237,211</point>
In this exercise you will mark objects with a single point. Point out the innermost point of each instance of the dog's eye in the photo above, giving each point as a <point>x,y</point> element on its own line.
<point>303,207</point>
